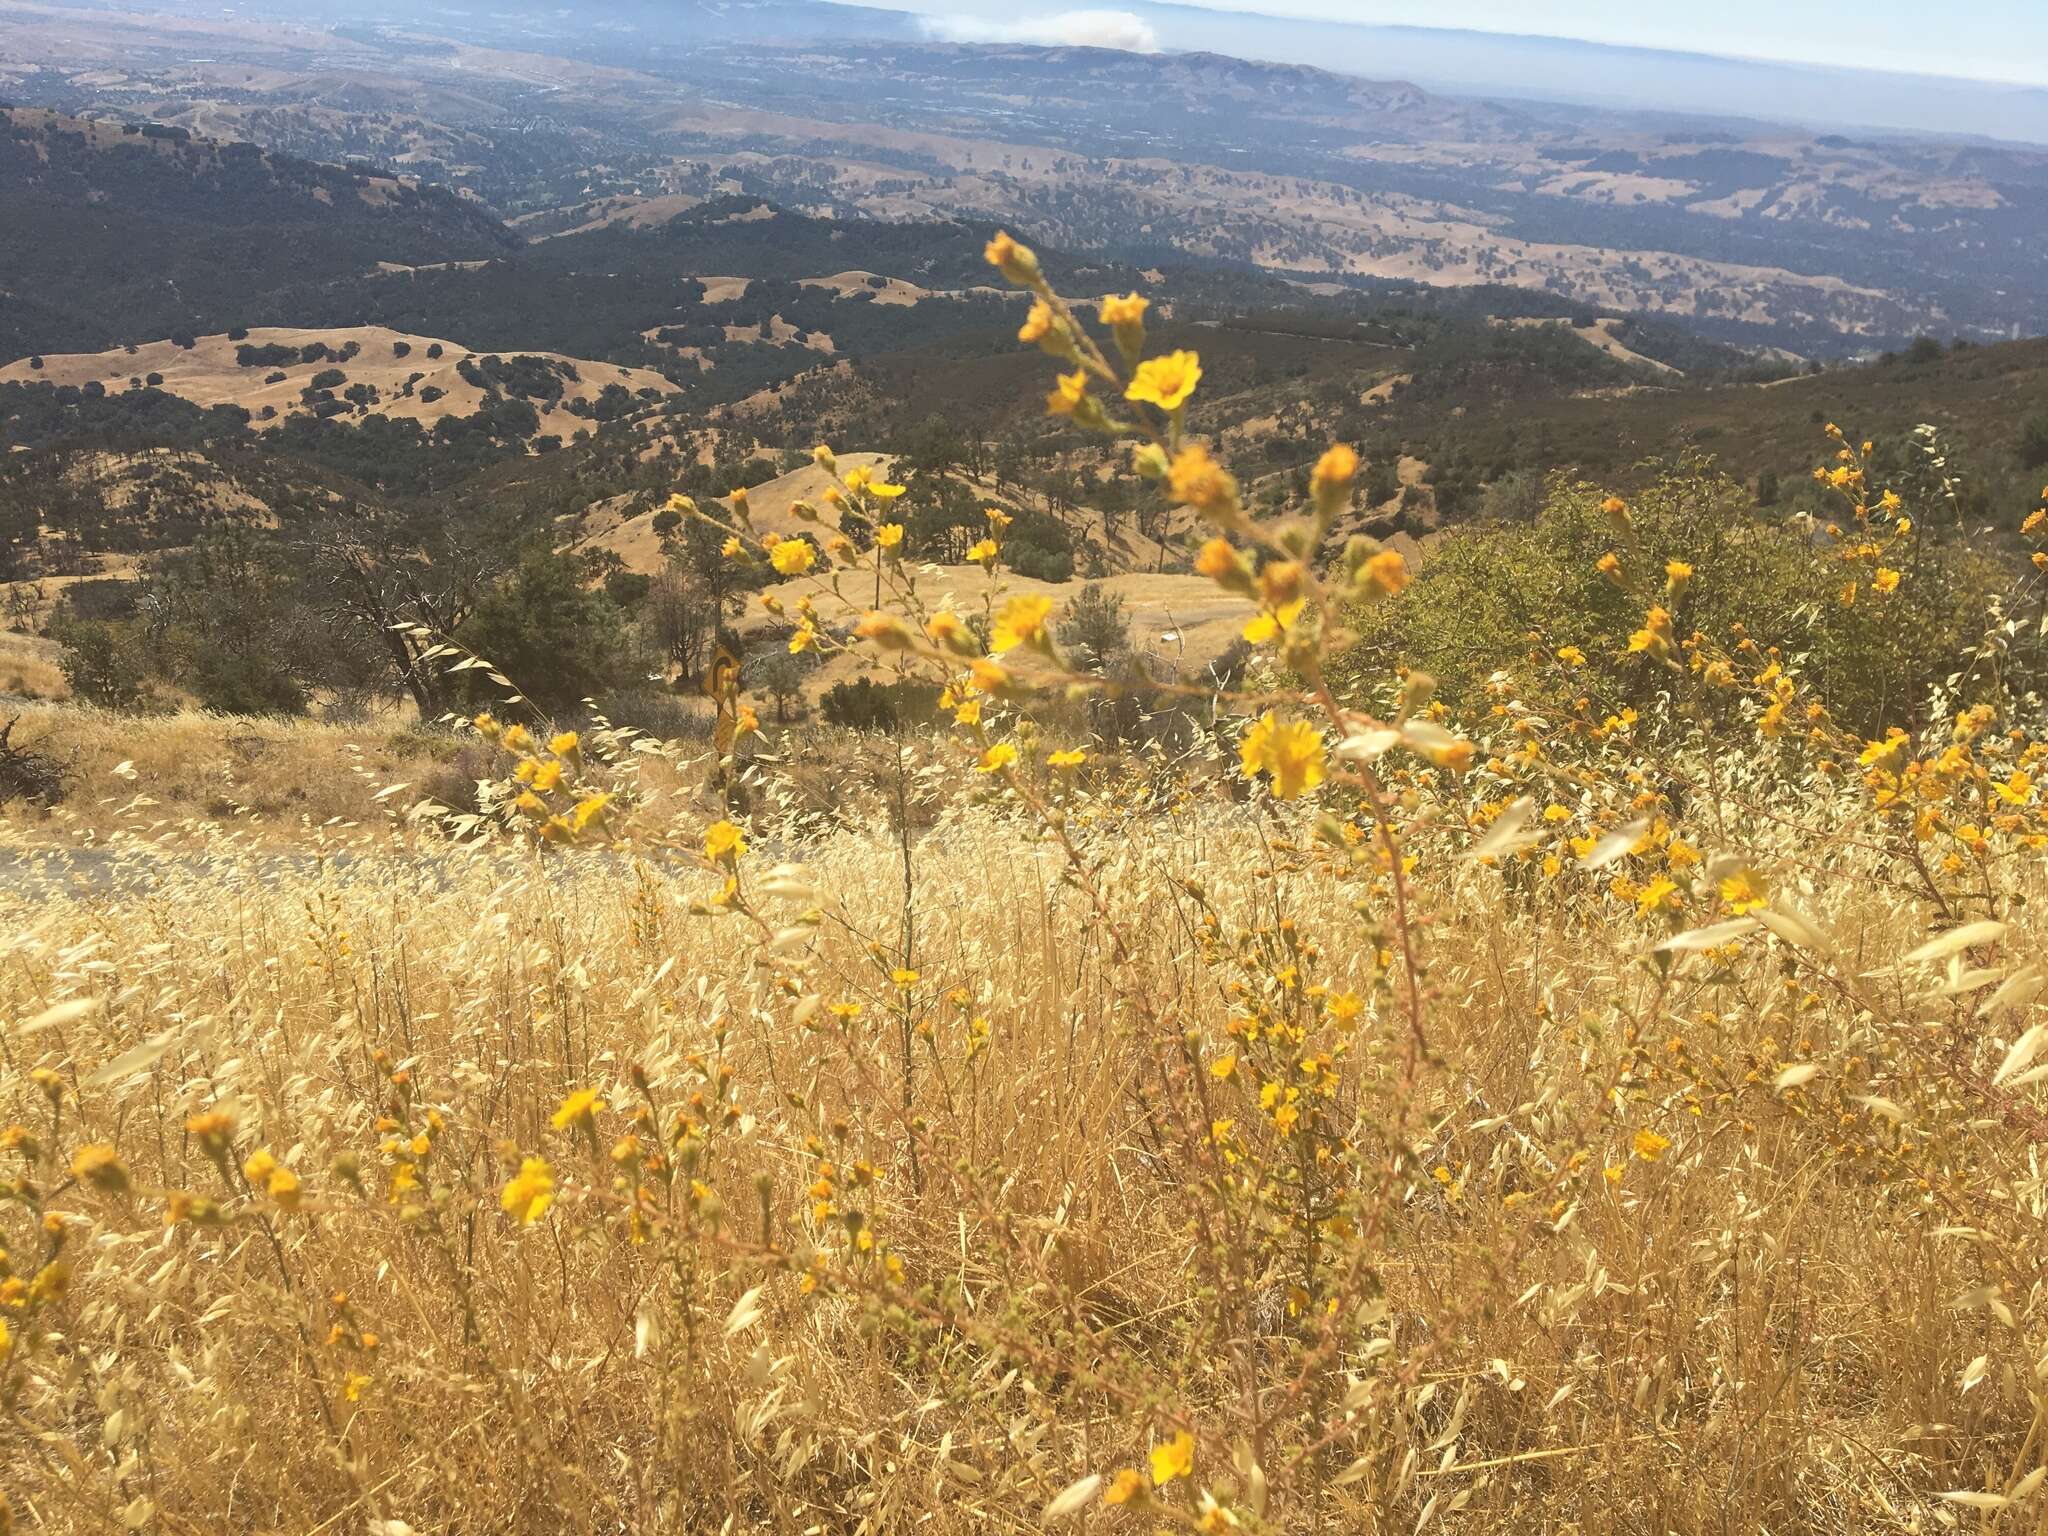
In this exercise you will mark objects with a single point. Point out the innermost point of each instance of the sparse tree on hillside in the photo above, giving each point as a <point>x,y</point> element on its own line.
<point>384,584</point>
<point>780,675</point>
<point>558,641</point>
<point>2033,447</point>
<point>1095,632</point>
<point>680,616</point>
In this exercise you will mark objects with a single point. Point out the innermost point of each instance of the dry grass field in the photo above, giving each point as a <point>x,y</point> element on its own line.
<point>1364,1117</point>
<point>208,374</point>
<point>1620,1238</point>
<point>185,776</point>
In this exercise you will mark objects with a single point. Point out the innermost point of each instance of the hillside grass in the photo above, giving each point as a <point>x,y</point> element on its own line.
<point>190,771</point>
<point>1785,1316</point>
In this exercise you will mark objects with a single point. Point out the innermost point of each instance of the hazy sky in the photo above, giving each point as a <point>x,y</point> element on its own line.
<point>1983,39</point>
<point>1988,39</point>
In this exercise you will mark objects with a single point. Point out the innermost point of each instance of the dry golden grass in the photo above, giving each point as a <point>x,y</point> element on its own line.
<point>30,667</point>
<point>276,780</point>
<point>1777,1322</point>
<point>1547,1119</point>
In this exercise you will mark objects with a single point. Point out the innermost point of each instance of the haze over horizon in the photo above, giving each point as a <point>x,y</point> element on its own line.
<point>1986,75</point>
<point>1995,42</point>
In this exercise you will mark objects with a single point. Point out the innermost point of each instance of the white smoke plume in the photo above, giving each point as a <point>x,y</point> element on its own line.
<point>1066,29</point>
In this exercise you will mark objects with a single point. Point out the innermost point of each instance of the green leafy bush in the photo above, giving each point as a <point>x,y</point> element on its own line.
<point>1538,584</point>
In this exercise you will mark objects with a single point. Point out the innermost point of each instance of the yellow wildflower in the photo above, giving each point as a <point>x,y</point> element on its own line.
<point>1745,891</point>
<point>1022,622</point>
<point>1650,1146</point>
<point>283,1187</point>
<point>577,1109</point>
<point>1336,470</point>
<point>997,758</point>
<point>1018,263</point>
<point>1289,751</point>
<point>792,557</point>
<point>1197,480</point>
<point>1126,311</point>
<point>1071,396</point>
<point>1167,381</point>
<point>1174,1459</point>
<point>723,842</point>
<point>530,1194</point>
<point>100,1166</point>
<point>1387,572</point>
<point>1219,561</point>
<point>1884,755</point>
<point>1039,325</point>
<point>1655,635</point>
<point>1659,895</point>
<point>1270,626</point>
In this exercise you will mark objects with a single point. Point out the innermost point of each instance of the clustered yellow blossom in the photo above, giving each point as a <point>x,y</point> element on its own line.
<point>1289,752</point>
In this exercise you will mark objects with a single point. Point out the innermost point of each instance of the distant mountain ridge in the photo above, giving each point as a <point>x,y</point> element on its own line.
<point>1198,81</point>
<point>1532,66</point>
<point>1337,169</point>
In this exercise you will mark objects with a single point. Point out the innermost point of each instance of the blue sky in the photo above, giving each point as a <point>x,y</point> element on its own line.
<point>1980,39</point>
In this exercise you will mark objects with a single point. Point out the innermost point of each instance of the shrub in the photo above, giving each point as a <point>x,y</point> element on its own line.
<point>241,682</point>
<point>101,661</point>
<point>863,704</point>
<point>273,356</point>
<point>560,642</point>
<point>2033,443</point>
<point>1538,585</point>
<point>25,773</point>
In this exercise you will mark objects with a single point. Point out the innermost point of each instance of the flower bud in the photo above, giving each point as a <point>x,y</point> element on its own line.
<point>1017,262</point>
<point>886,631</point>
